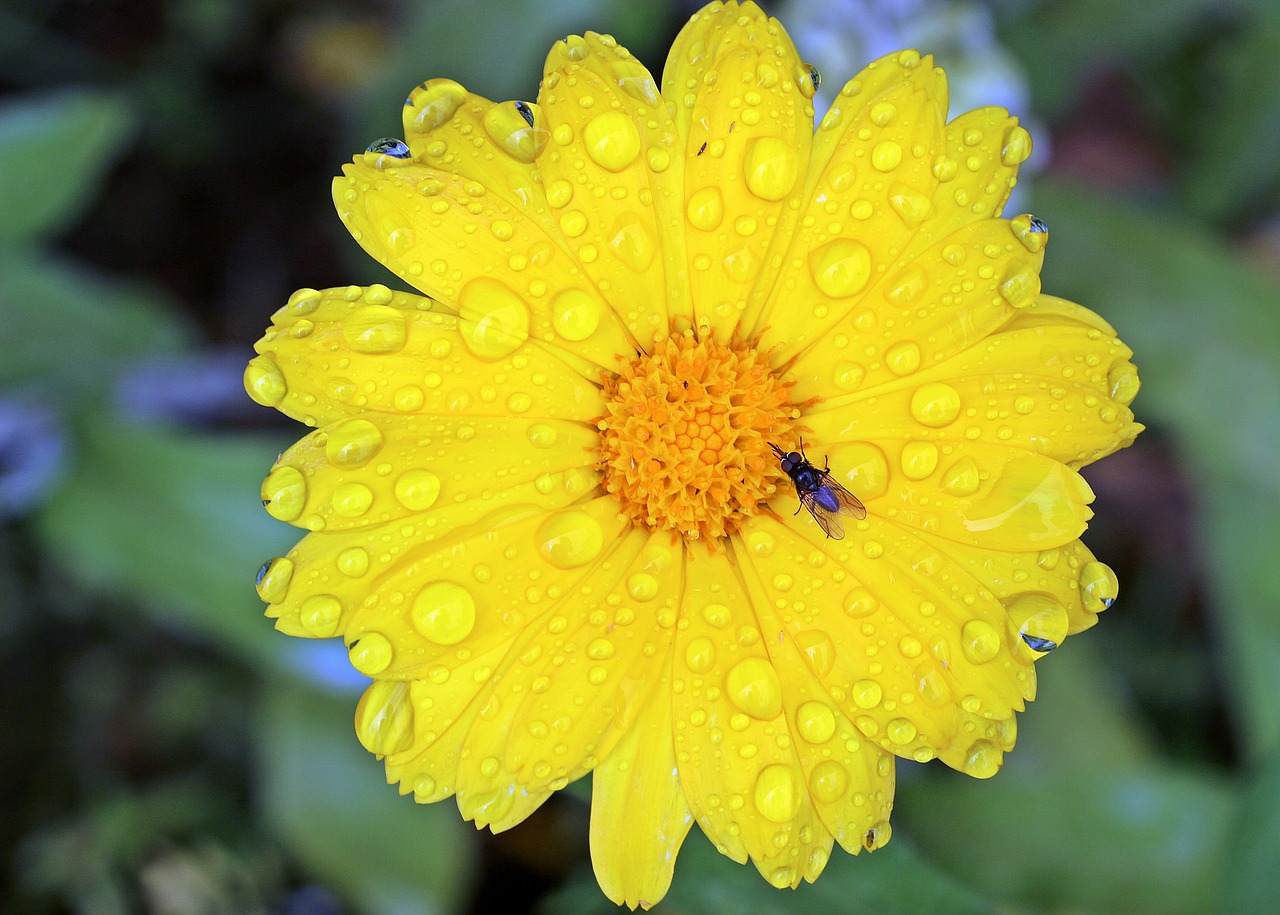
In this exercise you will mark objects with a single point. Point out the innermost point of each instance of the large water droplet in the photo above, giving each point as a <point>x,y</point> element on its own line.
<point>828,781</point>
<point>752,686</point>
<point>980,641</point>
<point>284,493</point>
<point>570,539</point>
<point>886,156</point>
<point>1123,382</point>
<point>1098,586</point>
<point>706,208</point>
<point>353,561</point>
<point>438,101</point>
<point>903,358</point>
<point>496,319</point>
<point>352,443</point>
<point>370,653</point>
<point>319,615</point>
<point>511,127</point>
<point>417,490</point>
<point>575,315</point>
<point>700,655</point>
<point>264,381</point>
<point>384,717</point>
<point>1039,620</point>
<point>612,140</point>
<point>919,459</point>
<point>273,579</point>
<point>962,478</point>
<point>777,794</point>
<point>983,759</point>
<point>841,267</point>
<point>866,694</point>
<point>351,500</point>
<point>771,168</point>
<point>815,722</point>
<point>1021,287</point>
<point>375,329</point>
<point>1016,148</point>
<point>633,244</point>
<point>444,612</point>
<point>935,404</point>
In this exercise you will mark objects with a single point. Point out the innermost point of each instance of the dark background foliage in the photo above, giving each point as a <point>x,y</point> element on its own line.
<point>164,173</point>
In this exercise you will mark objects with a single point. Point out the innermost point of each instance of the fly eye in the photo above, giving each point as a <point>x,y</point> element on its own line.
<point>794,457</point>
<point>525,112</point>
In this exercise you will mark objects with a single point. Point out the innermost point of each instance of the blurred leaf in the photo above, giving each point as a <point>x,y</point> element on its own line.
<point>1237,135</point>
<point>893,879</point>
<point>66,329</point>
<point>55,149</point>
<point>329,800</point>
<point>1203,324</point>
<point>1252,882</point>
<point>172,520</point>
<point>1148,839</point>
<point>1063,44</point>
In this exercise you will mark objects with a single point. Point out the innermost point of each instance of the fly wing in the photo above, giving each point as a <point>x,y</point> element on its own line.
<point>828,521</point>
<point>848,501</point>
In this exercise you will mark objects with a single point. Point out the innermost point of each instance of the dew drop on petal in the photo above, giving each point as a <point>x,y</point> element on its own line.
<point>980,641</point>
<point>919,459</point>
<point>1039,620</point>
<point>319,615</point>
<point>417,490</point>
<point>264,381</point>
<point>815,722</point>
<point>1021,288</point>
<point>642,586</point>
<point>353,561</point>
<point>575,315</point>
<point>771,168</point>
<point>903,358</point>
<point>982,760</point>
<point>370,653</point>
<point>1016,147</point>
<point>900,731</point>
<point>777,794</point>
<point>444,612</point>
<point>828,781</point>
<point>962,478</point>
<point>542,435</point>
<point>284,493</point>
<point>1098,586</point>
<point>1123,382</point>
<point>886,156</point>
<point>700,655</point>
<point>273,579</point>
<point>384,717</point>
<point>752,686</point>
<point>375,329</point>
<point>866,694</point>
<point>706,208</point>
<point>935,404</point>
<point>570,539</point>
<point>353,443</point>
<point>612,140</point>
<point>351,500</point>
<point>841,267</point>
<point>496,319</point>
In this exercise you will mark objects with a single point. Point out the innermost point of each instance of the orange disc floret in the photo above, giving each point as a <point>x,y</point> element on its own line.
<point>684,443</point>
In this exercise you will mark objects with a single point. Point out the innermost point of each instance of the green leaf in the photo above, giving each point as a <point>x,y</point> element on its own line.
<point>1146,840</point>
<point>1252,881</point>
<point>67,330</point>
<point>1203,325</point>
<point>329,801</point>
<point>55,149</point>
<point>1235,163</point>
<point>172,520</point>
<point>893,879</point>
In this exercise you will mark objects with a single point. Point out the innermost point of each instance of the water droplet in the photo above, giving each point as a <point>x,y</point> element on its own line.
<point>866,694</point>
<point>816,722</point>
<point>1021,287</point>
<point>659,159</point>
<point>496,319</point>
<point>900,731</point>
<point>860,603</point>
<point>384,717</point>
<point>841,267</point>
<point>700,655</point>
<point>559,193</point>
<point>353,561</point>
<point>351,500</point>
<point>848,376</point>
<point>642,586</point>
<point>437,102</point>
<point>273,579</point>
<point>319,615</point>
<point>1039,619</point>
<point>919,459</point>
<point>771,168</point>
<point>612,140</point>
<point>575,315</point>
<point>633,244</point>
<point>980,641</point>
<point>370,653</point>
<point>1123,382</point>
<point>808,79</point>
<point>541,435</point>
<point>983,759</point>
<point>375,329</point>
<point>962,478</point>
<point>264,381</point>
<point>352,443</point>
<point>864,469</point>
<point>716,615</point>
<point>1031,233</point>
<point>573,223</point>
<point>1098,586</point>
<point>417,489</point>
<point>903,358</point>
<point>886,156</point>
<point>1016,147</point>
<point>911,206</point>
<point>777,794</point>
<point>818,650</point>
<point>706,208</point>
<point>752,686</point>
<point>284,493</point>
<point>444,613</point>
<point>828,781</point>
<point>570,539</point>
<point>935,404</point>
<point>389,146</point>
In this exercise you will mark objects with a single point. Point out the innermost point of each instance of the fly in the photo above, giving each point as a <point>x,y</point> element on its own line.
<point>819,492</point>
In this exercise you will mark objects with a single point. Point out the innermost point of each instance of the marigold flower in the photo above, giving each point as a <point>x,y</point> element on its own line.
<point>545,512</point>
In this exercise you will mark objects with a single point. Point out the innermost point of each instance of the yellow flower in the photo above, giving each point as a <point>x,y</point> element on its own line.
<point>545,511</point>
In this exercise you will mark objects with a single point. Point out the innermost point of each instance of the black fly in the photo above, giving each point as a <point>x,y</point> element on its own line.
<point>819,492</point>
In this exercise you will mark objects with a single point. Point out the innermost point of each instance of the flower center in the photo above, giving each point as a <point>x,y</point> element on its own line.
<point>684,443</point>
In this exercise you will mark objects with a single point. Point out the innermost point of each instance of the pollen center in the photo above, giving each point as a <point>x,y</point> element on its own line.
<point>685,439</point>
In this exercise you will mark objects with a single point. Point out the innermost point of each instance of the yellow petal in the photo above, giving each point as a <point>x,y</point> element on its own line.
<point>1044,389</point>
<point>741,98</point>
<point>371,469</point>
<point>916,315</point>
<point>980,744</point>
<point>314,589</point>
<point>576,679</point>
<point>336,352</point>
<point>894,660</point>
<point>611,176</point>
<point>862,210</point>
<point>732,738</point>
<point>978,168</point>
<point>639,814</point>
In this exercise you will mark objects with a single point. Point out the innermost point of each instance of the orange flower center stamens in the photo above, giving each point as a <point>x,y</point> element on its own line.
<point>685,439</point>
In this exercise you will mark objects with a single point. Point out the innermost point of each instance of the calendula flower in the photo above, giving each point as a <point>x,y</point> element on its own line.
<point>554,497</point>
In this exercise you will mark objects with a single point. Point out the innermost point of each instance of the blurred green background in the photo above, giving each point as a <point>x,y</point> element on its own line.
<point>164,171</point>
